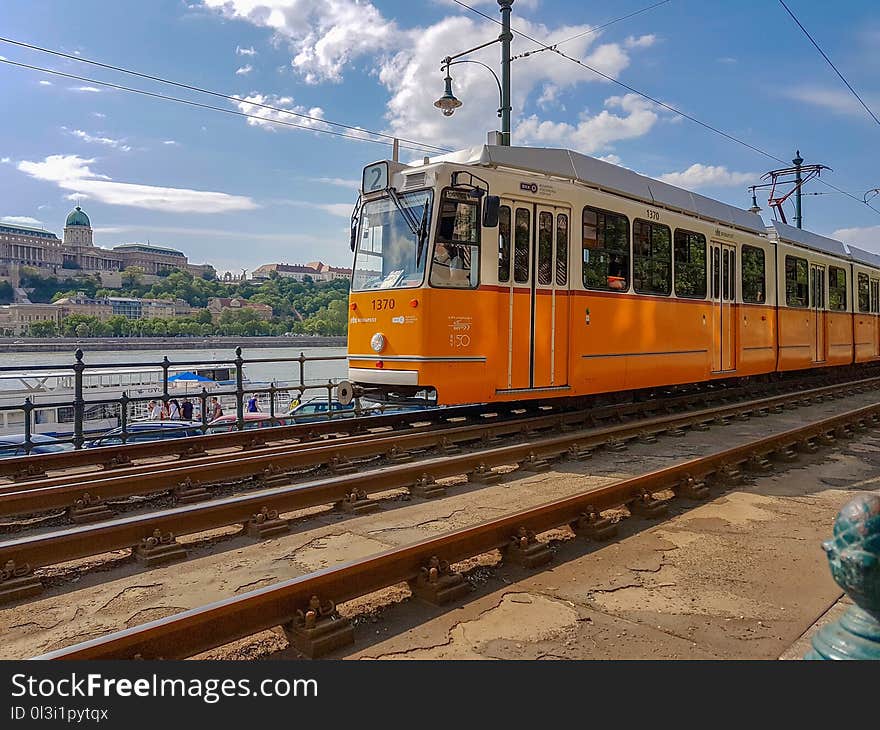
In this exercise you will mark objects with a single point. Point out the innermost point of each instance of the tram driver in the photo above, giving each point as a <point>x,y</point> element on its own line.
<point>457,232</point>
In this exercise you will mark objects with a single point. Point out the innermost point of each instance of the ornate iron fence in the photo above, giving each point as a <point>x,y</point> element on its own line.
<point>127,409</point>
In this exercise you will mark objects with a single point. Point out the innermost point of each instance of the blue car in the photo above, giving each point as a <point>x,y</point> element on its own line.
<point>141,431</point>
<point>13,445</point>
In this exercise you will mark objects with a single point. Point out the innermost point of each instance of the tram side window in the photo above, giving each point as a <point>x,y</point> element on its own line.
<point>652,258</point>
<point>521,246</point>
<point>796,281</point>
<point>864,300</point>
<point>561,249</point>
<point>504,244</point>
<point>690,264</point>
<point>754,289</point>
<point>545,248</point>
<point>456,251</point>
<point>875,295</point>
<point>605,250</point>
<point>836,288</point>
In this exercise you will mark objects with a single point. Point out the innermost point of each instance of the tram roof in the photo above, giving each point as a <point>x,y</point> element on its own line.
<point>808,239</point>
<point>606,176</point>
<point>859,255</point>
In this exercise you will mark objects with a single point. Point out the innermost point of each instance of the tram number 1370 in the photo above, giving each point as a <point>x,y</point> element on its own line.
<point>380,304</point>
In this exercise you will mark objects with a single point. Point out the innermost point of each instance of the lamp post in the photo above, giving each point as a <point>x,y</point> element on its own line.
<point>448,103</point>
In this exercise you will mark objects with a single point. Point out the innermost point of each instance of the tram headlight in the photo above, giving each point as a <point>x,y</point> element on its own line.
<point>377,342</point>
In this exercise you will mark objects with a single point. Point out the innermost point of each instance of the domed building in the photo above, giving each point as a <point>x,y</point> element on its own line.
<point>78,229</point>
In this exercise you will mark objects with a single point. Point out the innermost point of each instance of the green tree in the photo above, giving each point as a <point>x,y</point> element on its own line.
<point>47,328</point>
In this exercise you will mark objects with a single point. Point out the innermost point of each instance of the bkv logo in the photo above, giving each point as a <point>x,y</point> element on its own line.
<point>398,320</point>
<point>531,187</point>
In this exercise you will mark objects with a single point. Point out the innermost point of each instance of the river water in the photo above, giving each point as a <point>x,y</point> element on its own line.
<point>315,372</point>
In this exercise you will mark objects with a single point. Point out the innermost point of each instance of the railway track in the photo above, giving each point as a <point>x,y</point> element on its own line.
<point>88,462</point>
<point>305,606</point>
<point>152,536</point>
<point>86,495</point>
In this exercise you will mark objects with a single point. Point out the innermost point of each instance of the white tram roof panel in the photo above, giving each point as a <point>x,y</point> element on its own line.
<point>808,239</point>
<point>613,178</point>
<point>859,255</point>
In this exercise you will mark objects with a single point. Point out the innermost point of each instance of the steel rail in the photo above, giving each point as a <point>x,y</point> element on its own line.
<point>200,629</point>
<point>36,466</point>
<point>111,456</point>
<point>63,492</point>
<point>125,532</point>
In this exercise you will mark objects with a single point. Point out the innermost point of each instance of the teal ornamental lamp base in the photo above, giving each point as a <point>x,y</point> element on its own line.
<point>854,558</point>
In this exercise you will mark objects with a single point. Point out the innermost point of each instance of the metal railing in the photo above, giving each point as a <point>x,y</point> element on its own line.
<point>128,408</point>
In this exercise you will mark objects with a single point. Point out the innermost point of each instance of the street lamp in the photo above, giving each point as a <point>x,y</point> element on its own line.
<point>448,103</point>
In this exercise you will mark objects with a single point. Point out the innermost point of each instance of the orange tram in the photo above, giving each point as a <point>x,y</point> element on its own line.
<point>512,273</point>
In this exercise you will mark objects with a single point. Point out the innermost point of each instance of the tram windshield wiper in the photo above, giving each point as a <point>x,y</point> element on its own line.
<point>411,222</point>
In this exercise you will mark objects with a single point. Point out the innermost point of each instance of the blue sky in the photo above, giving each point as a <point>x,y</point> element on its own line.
<point>239,193</point>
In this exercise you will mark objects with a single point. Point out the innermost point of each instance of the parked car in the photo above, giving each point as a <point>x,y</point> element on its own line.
<point>319,409</point>
<point>13,445</point>
<point>251,420</point>
<point>140,431</point>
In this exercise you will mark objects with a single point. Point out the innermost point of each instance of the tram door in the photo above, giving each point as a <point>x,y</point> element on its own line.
<point>875,308</point>
<point>537,297</point>
<point>550,303</point>
<point>817,302</point>
<point>723,295</point>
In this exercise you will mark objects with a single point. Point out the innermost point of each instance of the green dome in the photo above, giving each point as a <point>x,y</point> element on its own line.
<point>78,218</point>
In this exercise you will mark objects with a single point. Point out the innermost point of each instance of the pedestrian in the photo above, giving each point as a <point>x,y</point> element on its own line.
<point>186,409</point>
<point>154,410</point>
<point>252,406</point>
<point>173,410</point>
<point>216,410</point>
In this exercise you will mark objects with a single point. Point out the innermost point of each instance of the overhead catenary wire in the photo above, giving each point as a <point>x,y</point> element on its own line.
<point>829,61</point>
<point>411,144</point>
<point>654,100</point>
<point>602,26</point>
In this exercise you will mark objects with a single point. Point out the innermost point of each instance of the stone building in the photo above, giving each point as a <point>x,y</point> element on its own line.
<point>315,270</point>
<point>16,319</point>
<point>218,305</point>
<point>42,250</point>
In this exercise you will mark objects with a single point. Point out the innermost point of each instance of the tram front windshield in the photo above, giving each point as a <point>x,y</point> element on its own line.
<point>390,254</point>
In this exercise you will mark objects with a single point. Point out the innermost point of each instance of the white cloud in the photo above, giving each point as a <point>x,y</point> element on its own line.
<point>249,105</point>
<point>834,100</point>
<point>338,181</point>
<point>99,115</point>
<point>324,35</point>
<point>21,220</point>
<point>594,133</point>
<point>239,51</point>
<point>6,160</point>
<point>707,176</point>
<point>340,210</point>
<point>116,144</point>
<point>71,172</point>
<point>867,238</point>
<point>171,142</point>
<point>87,89</point>
<point>413,77</point>
<point>643,41</point>
<point>45,83</point>
<point>244,70</point>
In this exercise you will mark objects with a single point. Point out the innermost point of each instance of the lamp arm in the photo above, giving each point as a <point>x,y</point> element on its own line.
<point>450,62</point>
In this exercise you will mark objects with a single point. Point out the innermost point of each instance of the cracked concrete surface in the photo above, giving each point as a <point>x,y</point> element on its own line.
<point>741,575</point>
